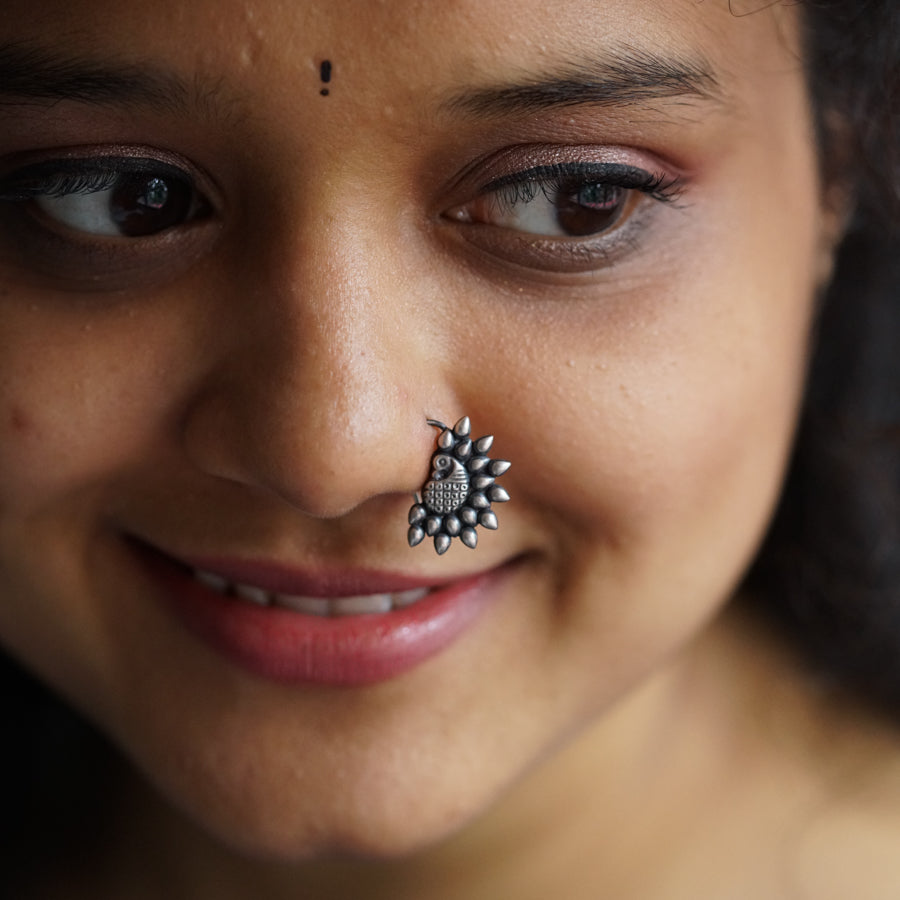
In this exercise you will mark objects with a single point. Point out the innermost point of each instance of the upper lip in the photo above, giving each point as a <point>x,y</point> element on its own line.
<point>322,581</point>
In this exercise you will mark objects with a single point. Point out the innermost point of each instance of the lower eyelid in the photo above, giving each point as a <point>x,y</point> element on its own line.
<point>539,258</point>
<point>534,255</point>
<point>71,262</point>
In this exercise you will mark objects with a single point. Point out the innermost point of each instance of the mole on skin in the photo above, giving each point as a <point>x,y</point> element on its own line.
<point>19,420</point>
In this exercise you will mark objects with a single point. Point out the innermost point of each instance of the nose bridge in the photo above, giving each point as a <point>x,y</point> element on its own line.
<point>339,349</point>
<point>315,398</point>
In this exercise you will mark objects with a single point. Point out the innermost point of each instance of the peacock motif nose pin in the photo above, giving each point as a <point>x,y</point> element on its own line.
<point>458,495</point>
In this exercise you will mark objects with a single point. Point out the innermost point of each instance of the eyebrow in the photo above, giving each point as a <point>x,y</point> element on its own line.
<point>29,73</point>
<point>625,78</point>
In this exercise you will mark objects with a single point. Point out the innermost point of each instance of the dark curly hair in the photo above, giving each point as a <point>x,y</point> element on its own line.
<point>830,568</point>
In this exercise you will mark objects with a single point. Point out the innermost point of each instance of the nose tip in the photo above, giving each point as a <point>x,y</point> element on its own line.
<point>325,432</point>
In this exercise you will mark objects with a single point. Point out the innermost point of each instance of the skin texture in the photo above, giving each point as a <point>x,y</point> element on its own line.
<point>255,385</point>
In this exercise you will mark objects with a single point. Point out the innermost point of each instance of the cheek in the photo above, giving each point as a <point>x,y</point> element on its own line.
<point>665,434</point>
<point>79,397</point>
<point>83,399</point>
<point>43,453</point>
<point>666,404</point>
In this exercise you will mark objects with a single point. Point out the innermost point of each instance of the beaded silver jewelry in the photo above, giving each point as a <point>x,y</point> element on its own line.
<point>457,497</point>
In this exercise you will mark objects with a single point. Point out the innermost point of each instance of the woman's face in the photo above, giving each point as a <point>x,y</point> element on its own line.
<point>231,294</point>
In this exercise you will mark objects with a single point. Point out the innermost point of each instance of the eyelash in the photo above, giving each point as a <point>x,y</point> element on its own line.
<point>62,186</point>
<point>523,187</point>
<point>66,177</point>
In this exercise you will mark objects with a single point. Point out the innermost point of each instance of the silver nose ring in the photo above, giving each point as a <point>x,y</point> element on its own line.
<point>458,495</point>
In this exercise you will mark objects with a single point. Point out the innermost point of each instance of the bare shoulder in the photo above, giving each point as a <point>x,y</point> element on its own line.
<point>848,844</point>
<point>830,767</point>
<point>844,840</point>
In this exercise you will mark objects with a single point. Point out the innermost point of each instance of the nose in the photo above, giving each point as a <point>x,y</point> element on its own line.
<point>317,386</point>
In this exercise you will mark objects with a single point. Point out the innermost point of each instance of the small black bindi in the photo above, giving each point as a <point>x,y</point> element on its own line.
<point>325,75</point>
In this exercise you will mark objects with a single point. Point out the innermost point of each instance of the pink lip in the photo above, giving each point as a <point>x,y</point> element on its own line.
<point>292,648</point>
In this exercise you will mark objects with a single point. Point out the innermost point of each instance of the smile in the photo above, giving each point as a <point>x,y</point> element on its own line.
<point>326,607</point>
<point>326,626</point>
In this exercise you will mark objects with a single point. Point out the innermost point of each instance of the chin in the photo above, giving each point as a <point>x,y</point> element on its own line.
<point>365,803</point>
<point>364,828</point>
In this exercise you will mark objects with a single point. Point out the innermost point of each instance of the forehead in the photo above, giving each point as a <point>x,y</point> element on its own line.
<point>234,51</point>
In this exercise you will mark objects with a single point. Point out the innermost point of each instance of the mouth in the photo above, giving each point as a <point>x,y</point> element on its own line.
<point>326,627</point>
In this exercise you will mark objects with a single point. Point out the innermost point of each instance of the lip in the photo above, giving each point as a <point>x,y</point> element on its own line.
<point>290,647</point>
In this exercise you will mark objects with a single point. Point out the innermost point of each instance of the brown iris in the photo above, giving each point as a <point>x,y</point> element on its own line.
<point>591,209</point>
<point>140,204</point>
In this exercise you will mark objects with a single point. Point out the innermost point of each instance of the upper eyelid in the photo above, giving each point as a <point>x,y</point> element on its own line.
<point>98,152</point>
<point>546,159</point>
<point>563,169</point>
<point>79,164</point>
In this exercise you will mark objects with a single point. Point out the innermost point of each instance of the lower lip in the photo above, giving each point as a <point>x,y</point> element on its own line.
<point>292,648</point>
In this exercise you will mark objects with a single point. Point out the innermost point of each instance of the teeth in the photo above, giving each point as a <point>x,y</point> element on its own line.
<point>213,581</point>
<point>362,605</point>
<point>253,594</point>
<point>313,606</point>
<point>407,598</point>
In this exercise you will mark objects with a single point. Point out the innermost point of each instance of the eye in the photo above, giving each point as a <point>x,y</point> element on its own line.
<point>569,200</point>
<point>128,197</point>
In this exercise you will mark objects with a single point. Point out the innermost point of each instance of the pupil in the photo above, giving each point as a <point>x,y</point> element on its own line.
<point>142,206</point>
<point>156,194</point>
